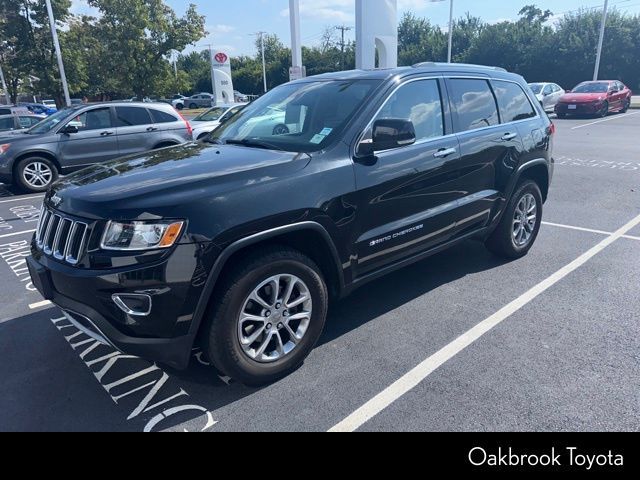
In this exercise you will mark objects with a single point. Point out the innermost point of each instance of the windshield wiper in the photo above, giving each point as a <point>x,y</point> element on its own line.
<point>253,143</point>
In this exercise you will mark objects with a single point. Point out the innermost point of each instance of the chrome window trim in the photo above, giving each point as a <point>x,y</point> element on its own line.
<point>487,78</point>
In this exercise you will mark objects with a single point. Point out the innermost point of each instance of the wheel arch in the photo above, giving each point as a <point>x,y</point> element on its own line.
<point>36,153</point>
<point>311,238</point>
<point>538,171</point>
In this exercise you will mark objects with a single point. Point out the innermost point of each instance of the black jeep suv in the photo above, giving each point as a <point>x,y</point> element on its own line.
<point>321,185</point>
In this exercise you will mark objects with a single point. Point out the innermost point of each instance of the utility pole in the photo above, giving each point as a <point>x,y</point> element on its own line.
<point>56,45</point>
<point>4,87</point>
<point>603,27</point>
<point>343,29</point>
<point>450,54</point>
<point>264,62</point>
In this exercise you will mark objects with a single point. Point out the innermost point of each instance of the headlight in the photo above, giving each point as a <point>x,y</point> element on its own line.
<point>4,148</point>
<point>140,235</point>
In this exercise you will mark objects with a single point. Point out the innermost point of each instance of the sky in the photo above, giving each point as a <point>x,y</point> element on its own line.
<point>231,23</point>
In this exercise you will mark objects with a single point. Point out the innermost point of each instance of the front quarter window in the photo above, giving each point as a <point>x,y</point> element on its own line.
<point>299,117</point>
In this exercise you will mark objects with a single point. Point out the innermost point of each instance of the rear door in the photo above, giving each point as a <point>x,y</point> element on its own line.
<point>169,127</point>
<point>489,150</point>
<point>135,130</point>
<point>95,141</point>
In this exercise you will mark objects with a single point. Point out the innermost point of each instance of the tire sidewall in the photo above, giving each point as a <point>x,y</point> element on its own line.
<point>527,188</point>
<point>19,177</point>
<point>225,345</point>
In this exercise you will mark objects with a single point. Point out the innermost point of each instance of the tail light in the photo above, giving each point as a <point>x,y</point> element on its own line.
<point>186,122</point>
<point>551,130</point>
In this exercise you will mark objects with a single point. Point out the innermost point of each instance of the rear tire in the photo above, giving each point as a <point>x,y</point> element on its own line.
<point>626,107</point>
<point>35,174</point>
<point>227,332</point>
<point>510,241</point>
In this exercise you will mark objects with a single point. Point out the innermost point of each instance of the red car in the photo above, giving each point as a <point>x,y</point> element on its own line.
<point>595,98</point>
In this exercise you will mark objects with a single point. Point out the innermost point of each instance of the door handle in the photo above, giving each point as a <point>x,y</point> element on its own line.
<point>507,137</point>
<point>152,129</point>
<point>445,152</point>
<point>106,134</point>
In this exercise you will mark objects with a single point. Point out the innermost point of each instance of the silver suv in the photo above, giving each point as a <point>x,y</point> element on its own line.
<point>74,138</point>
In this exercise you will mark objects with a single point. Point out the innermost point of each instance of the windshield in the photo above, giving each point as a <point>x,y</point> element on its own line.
<point>300,117</point>
<point>210,115</point>
<point>50,123</point>
<point>537,88</point>
<point>592,88</point>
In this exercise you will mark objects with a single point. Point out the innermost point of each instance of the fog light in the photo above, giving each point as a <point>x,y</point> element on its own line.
<point>133,304</point>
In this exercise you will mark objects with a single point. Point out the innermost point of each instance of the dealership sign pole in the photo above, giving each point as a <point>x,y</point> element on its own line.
<point>297,70</point>
<point>603,27</point>
<point>450,52</point>
<point>56,45</point>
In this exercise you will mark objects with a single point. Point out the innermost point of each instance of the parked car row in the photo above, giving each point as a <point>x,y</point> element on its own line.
<point>76,137</point>
<point>596,98</point>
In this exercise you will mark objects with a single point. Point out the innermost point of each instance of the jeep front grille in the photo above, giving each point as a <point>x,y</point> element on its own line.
<point>60,237</point>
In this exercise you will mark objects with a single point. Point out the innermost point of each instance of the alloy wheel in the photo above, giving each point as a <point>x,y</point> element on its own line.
<point>275,318</point>
<point>524,221</point>
<point>37,174</point>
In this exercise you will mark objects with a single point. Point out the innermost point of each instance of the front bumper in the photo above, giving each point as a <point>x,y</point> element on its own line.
<point>175,285</point>
<point>580,108</point>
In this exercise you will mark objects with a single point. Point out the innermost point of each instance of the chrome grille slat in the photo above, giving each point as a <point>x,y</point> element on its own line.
<point>62,238</point>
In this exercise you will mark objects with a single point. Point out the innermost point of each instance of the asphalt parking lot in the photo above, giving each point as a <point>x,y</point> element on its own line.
<point>461,342</point>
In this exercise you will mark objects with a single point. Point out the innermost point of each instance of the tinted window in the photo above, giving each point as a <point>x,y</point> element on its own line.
<point>92,120</point>
<point>163,117</point>
<point>514,104</point>
<point>474,104</point>
<point>547,91</point>
<point>5,111</point>
<point>420,103</point>
<point>6,123</point>
<point>132,116</point>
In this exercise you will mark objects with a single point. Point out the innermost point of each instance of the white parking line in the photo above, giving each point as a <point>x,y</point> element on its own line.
<point>35,306</point>
<point>16,233</point>
<point>412,379</point>
<point>20,199</point>
<point>605,120</point>
<point>588,230</point>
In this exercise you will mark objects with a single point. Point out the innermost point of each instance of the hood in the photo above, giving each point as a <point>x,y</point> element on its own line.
<point>583,97</point>
<point>158,182</point>
<point>14,135</point>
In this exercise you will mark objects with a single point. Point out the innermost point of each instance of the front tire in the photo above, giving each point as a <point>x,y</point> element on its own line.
<point>520,224</point>
<point>35,174</point>
<point>605,110</point>
<point>193,106</point>
<point>268,316</point>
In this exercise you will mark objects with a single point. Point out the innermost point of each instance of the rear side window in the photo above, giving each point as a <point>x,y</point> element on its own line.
<point>163,117</point>
<point>514,103</point>
<point>474,104</point>
<point>420,103</point>
<point>27,122</point>
<point>132,116</point>
<point>5,111</point>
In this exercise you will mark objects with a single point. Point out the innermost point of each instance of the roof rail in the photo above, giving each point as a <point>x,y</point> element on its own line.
<point>438,64</point>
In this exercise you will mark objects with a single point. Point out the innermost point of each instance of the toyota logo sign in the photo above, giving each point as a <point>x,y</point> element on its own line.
<point>221,57</point>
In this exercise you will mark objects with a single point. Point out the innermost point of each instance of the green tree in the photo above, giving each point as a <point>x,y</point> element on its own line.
<point>137,37</point>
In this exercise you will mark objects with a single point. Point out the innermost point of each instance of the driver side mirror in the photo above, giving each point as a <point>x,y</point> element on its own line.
<point>388,134</point>
<point>69,130</point>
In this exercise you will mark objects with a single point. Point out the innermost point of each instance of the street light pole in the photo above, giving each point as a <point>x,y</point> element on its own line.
<point>56,45</point>
<point>603,27</point>
<point>264,62</point>
<point>450,55</point>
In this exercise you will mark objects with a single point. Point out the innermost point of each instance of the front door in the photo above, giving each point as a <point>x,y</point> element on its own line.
<point>95,141</point>
<point>408,197</point>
